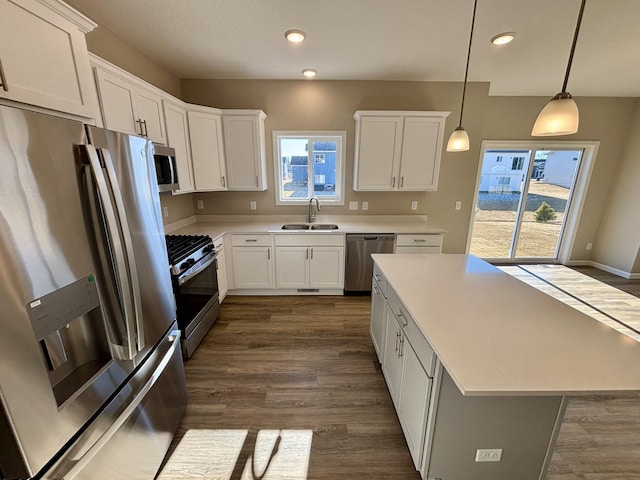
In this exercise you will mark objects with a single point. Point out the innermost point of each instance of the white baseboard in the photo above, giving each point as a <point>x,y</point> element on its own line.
<point>606,268</point>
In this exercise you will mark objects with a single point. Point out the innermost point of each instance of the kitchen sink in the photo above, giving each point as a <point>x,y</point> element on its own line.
<point>307,226</point>
<point>295,226</point>
<point>323,226</point>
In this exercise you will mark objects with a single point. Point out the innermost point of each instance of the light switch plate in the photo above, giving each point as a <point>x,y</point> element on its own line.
<point>458,205</point>
<point>165,211</point>
<point>365,205</point>
<point>489,455</point>
<point>353,205</point>
<point>253,205</point>
<point>414,205</point>
<point>200,204</point>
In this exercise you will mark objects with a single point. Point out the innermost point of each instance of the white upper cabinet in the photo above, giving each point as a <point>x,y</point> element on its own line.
<point>244,146</point>
<point>175,116</point>
<point>43,56</point>
<point>398,150</point>
<point>130,108</point>
<point>207,153</point>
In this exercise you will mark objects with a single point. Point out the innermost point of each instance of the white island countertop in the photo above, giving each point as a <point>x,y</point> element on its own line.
<point>496,335</point>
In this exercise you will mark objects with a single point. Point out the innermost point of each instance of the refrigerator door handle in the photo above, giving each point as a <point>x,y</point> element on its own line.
<point>116,246</point>
<point>128,243</point>
<point>118,422</point>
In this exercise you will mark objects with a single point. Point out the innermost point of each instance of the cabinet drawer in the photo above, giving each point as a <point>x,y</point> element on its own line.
<point>426,249</point>
<point>424,240</point>
<point>309,239</point>
<point>258,240</point>
<point>380,280</point>
<point>413,334</point>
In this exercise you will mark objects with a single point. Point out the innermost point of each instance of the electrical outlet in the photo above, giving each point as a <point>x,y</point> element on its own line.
<point>489,455</point>
<point>458,205</point>
<point>414,205</point>
<point>589,246</point>
<point>253,204</point>
<point>353,205</point>
<point>165,211</point>
<point>200,204</point>
<point>365,205</point>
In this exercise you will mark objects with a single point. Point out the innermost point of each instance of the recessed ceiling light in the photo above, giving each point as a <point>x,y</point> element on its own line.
<point>309,72</point>
<point>295,36</point>
<point>503,38</point>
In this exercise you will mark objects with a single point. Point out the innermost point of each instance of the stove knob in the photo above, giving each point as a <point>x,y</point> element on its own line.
<point>207,249</point>
<point>185,266</point>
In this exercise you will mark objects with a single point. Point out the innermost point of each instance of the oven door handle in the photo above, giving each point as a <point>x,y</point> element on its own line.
<point>186,278</point>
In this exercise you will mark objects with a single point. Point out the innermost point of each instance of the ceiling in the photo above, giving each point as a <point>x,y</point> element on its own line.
<point>415,40</point>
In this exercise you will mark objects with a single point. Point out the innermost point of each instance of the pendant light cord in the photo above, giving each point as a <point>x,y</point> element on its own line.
<point>573,46</point>
<point>466,70</point>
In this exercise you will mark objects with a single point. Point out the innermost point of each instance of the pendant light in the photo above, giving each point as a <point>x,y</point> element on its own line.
<point>459,139</point>
<point>560,115</point>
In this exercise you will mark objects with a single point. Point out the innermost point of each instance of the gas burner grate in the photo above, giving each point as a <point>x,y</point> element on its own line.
<point>181,246</point>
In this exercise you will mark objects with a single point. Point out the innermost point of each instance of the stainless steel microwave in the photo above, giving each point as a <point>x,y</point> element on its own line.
<point>166,168</point>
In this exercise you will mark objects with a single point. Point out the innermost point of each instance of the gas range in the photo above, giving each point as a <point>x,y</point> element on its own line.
<point>193,266</point>
<point>187,250</point>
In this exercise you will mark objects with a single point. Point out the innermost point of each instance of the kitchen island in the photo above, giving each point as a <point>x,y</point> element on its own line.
<point>496,360</point>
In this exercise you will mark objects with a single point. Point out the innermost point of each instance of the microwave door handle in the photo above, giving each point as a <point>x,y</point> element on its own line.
<point>134,320</point>
<point>116,248</point>
<point>174,174</point>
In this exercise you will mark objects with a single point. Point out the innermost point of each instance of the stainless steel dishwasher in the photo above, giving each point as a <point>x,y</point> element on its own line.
<point>359,264</point>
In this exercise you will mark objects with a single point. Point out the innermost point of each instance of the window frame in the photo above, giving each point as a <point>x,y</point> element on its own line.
<point>311,135</point>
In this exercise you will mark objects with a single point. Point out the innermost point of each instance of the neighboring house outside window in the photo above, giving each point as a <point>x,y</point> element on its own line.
<point>309,164</point>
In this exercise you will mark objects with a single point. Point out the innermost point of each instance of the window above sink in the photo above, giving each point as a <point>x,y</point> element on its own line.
<point>309,164</point>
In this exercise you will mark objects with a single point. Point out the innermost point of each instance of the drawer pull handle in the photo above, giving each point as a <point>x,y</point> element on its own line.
<point>401,347</point>
<point>251,240</point>
<point>419,240</point>
<point>402,320</point>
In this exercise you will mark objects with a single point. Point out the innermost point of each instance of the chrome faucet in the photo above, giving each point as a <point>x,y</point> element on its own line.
<point>312,214</point>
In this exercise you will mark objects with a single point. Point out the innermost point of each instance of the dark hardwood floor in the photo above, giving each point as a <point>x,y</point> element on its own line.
<point>304,363</point>
<point>307,364</point>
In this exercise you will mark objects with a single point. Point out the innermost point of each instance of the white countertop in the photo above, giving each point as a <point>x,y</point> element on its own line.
<point>252,224</point>
<point>496,335</point>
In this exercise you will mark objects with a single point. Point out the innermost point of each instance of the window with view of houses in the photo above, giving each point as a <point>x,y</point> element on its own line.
<point>309,164</point>
<point>517,163</point>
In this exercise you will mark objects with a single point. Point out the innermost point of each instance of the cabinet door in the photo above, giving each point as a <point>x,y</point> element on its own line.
<point>244,152</point>
<point>178,139</point>
<point>420,153</point>
<point>326,268</point>
<point>378,153</point>
<point>149,108</point>
<point>223,284</point>
<point>292,267</point>
<point>377,321</point>
<point>252,267</point>
<point>44,58</point>
<point>117,101</point>
<point>413,400</point>
<point>205,132</point>
<point>392,362</point>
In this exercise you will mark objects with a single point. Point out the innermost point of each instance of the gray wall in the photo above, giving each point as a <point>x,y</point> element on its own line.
<point>618,241</point>
<point>318,105</point>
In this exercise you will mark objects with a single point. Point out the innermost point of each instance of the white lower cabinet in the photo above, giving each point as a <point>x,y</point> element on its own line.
<point>309,261</point>
<point>223,282</point>
<point>377,320</point>
<point>408,380</point>
<point>252,261</point>
<point>421,243</point>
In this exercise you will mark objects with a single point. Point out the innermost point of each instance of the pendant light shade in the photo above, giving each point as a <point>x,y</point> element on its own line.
<point>459,139</point>
<point>560,115</point>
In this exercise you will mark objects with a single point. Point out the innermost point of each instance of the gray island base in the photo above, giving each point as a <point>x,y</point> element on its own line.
<point>479,365</point>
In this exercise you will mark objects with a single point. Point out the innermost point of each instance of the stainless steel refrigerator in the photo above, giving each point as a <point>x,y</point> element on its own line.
<point>91,376</point>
